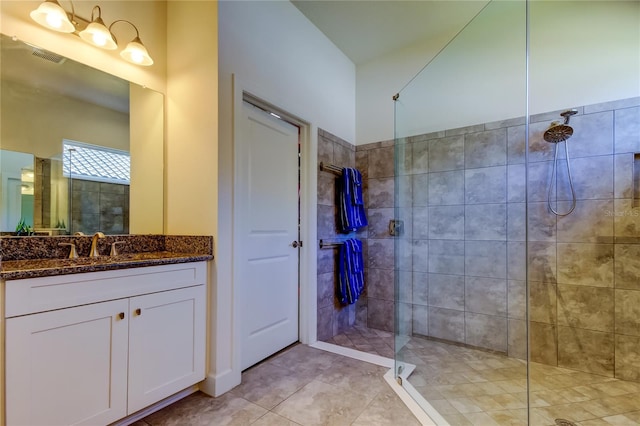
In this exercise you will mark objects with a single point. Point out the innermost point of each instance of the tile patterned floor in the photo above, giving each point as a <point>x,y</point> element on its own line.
<point>299,386</point>
<point>473,387</point>
<point>306,386</point>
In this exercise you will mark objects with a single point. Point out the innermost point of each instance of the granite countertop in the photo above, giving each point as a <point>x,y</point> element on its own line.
<point>31,257</point>
<point>35,268</point>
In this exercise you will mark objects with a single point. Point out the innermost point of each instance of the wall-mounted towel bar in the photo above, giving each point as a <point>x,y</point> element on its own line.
<point>330,168</point>
<point>330,244</point>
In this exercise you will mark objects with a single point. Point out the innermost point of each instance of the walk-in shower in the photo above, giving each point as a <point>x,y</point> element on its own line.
<point>558,133</point>
<point>517,276</point>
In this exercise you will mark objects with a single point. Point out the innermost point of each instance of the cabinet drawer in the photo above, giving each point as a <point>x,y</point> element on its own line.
<point>33,295</point>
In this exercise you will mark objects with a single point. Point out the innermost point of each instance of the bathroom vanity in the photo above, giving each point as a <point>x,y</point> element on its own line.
<point>92,341</point>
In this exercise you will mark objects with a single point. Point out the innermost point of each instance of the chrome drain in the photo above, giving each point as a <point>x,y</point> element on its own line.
<point>564,422</point>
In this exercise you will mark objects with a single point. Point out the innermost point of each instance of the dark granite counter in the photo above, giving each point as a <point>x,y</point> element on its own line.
<point>33,257</point>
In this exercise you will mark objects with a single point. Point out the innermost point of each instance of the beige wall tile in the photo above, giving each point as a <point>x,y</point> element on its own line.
<point>585,307</point>
<point>585,264</point>
<point>627,266</point>
<point>543,343</point>
<point>542,302</point>
<point>627,357</point>
<point>586,350</point>
<point>486,331</point>
<point>627,312</point>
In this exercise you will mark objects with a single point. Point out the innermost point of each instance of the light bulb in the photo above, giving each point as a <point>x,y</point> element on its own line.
<point>99,39</point>
<point>137,56</point>
<point>51,15</point>
<point>54,20</point>
<point>136,53</point>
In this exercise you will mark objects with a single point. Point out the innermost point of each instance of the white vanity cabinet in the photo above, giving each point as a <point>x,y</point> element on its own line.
<point>92,348</point>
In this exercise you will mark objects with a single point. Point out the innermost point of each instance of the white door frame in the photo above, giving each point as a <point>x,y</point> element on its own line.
<point>307,319</point>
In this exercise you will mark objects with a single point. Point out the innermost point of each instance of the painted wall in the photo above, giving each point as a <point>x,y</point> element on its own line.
<point>277,55</point>
<point>192,157</point>
<point>565,36</point>
<point>59,117</point>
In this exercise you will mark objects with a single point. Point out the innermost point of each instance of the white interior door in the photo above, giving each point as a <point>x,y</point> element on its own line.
<point>267,214</point>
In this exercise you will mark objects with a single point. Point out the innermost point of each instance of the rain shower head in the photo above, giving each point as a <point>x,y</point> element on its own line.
<point>560,132</point>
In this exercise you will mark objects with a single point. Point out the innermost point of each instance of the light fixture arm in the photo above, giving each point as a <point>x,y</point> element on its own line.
<point>99,12</point>
<point>73,14</point>
<point>128,22</point>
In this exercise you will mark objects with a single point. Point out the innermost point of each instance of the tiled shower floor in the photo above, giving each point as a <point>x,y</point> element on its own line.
<point>473,387</point>
<point>365,339</point>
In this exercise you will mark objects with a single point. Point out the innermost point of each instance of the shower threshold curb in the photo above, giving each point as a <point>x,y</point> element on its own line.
<point>410,397</point>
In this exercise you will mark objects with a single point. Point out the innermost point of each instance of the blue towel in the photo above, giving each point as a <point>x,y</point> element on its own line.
<point>351,272</point>
<point>351,201</point>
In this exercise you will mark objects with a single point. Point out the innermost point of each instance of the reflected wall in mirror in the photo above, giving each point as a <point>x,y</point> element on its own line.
<point>80,150</point>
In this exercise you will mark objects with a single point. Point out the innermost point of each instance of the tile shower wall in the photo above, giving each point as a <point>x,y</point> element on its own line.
<point>584,270</point>
<point>462,264</point>
<point>100,206</point>
<point>333,318</point>
<point>376,163</point>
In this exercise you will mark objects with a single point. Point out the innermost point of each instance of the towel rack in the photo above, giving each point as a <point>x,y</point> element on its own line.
<point>325,244</point>
<point>330,168</point>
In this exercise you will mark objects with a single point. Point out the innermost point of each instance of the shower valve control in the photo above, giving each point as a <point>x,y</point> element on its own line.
<point>396,227</point>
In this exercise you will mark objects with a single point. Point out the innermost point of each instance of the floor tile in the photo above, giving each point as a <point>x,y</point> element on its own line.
<point>200,409</point>
<point>319,403</point>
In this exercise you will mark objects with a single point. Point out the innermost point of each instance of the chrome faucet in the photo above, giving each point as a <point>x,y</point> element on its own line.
<point>94,244</point>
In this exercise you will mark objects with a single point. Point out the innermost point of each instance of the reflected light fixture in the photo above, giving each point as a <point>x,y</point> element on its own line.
<point>94,31</point>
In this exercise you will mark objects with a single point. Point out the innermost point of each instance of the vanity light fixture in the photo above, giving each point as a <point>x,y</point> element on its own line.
<point>135,52</point>
<point>97,32</point>
<point>51,15</point>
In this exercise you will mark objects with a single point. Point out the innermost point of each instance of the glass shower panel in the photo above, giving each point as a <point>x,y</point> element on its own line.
<point>584,292</point>
<point>460,263</point>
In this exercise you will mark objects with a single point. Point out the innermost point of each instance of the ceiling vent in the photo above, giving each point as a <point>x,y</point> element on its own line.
<point>49,56</point>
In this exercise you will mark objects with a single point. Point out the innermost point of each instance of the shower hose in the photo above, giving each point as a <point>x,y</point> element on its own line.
<point>553,177</point>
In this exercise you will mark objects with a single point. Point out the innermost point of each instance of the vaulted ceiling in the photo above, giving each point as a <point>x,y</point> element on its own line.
<point>365,29</point>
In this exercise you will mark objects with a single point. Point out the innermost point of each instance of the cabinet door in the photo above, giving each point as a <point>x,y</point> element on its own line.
<point>166,344</point>
<point>68,367</point>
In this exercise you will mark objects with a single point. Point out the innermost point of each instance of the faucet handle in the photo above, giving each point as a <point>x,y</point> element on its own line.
<point>114,250</point>
<point>72,252</point>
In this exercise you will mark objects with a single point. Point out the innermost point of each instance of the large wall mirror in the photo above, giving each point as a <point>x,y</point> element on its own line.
<point>80,150</point>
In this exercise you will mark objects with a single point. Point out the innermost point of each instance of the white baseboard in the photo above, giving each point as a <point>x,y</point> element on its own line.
<point>220,384</point>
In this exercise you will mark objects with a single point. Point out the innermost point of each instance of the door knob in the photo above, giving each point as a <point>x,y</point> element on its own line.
<point>296,244</point>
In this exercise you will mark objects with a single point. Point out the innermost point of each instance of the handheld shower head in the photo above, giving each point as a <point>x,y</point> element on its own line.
<point>556,133</point>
